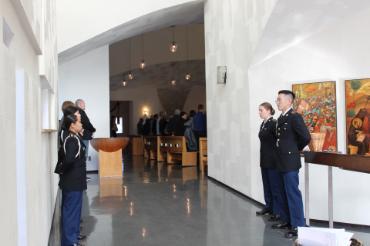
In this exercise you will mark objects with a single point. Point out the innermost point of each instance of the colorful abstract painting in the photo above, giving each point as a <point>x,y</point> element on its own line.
<point>316,102</point>
<point>358,116</point>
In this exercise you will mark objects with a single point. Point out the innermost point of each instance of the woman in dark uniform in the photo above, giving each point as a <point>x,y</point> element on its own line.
<point>72,180</point>
<point>268,160</point>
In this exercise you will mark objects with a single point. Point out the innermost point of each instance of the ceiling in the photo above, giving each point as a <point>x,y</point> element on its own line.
<point>191,12</point>
<point>161,75</point>
<point>292,22</point>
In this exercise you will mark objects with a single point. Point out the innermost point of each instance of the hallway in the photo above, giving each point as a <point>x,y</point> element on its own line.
<point>158,204</point>
<point>161,204</point>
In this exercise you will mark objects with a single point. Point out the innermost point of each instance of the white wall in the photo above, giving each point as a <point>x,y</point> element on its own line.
<point>336,52</point>
<point>97,20</point>
<point>331,54</point>
<point>197,95</point>
<point>29,186</point>
<point>87,77</point>
<point>232,29</point>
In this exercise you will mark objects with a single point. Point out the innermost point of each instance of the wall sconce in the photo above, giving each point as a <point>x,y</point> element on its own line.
<point>145,111</point>
<point>221,74</point>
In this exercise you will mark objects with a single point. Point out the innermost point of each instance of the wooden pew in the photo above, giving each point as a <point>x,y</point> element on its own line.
<point>137,144</point>
<point>173,149</point>
<point>203,156</point>
<point>150,147</point>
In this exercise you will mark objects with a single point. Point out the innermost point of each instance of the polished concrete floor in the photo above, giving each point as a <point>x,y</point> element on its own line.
<point>158,204</point>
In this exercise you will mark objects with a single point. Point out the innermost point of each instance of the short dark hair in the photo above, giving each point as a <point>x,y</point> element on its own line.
<point>71,110</point>
<point>268,106</point>
<point>200,107</point>
<point>67,104</point>
<point>68,120</point>
<point>287,92</point>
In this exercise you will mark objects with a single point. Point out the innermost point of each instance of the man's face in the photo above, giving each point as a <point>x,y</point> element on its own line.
<point>283,102</point>
<point>81,105</point>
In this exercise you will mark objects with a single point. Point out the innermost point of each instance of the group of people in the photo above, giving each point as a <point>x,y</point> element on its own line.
<point>280,161</point>
<point>192,125</point>
<point>75,132</point>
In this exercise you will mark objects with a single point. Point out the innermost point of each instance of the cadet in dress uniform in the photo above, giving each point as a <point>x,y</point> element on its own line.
<point>292,136</point>
<point>72,181</point>
<point>268,158</point>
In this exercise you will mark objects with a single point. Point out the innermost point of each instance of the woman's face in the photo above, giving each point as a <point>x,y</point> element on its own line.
<point>78,115</point>
<point>264,113</point>
<point>76,127</point>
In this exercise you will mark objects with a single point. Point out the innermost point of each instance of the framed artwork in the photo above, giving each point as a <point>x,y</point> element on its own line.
<point>358,116</point>
<point>316,102</point>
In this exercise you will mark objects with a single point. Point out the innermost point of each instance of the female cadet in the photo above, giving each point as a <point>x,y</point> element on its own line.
<point>72,181</point>
<point>268,160</point>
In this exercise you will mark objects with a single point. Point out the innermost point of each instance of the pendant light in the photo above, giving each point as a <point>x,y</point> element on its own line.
<point>142,63</point>
<point>173,45</point>
<point>188,74</point>
<point>124,81</point>
<point>173,81</point>
<point>130,75</point>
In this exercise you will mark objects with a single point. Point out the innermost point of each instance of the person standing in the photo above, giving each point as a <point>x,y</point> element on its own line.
<point>72,181</point>
<point>292,136</point>
<point>88,128</point>
<point>200,123</point>
<point>268,159</point>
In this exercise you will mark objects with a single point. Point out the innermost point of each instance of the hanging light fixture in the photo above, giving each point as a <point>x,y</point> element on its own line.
<point>130,75</point>
<point>173,80</point>
<point>124,81</point>
<point>188,75</point>
<point>173,45</point>
<point>142,63</point>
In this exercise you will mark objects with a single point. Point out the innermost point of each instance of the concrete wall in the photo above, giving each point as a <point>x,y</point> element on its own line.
<point>87,77</point>
<point>28,151</point>
<point>232,30</point>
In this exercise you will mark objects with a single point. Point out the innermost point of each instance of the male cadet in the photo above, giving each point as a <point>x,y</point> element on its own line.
<point>292,137</point>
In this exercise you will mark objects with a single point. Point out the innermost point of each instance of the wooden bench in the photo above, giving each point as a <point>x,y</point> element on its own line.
<point>173,149</point>
<point>137,144</point>
<point>203,157</point>
<point>150,147</point>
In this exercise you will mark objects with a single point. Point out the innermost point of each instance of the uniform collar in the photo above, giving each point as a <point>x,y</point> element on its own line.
<point>283,114</point>
<point>267,119</point>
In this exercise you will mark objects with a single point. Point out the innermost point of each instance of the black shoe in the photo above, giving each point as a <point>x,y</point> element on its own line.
<point>274,218</point>
<point>292,233</point>
<point>81,237</point>
<point>281,226</point>
<point>264,211</point>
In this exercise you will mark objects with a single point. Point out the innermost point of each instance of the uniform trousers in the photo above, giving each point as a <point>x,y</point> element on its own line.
<point>71,215</point>
<point>271,189</point>
<point>291,199</point>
